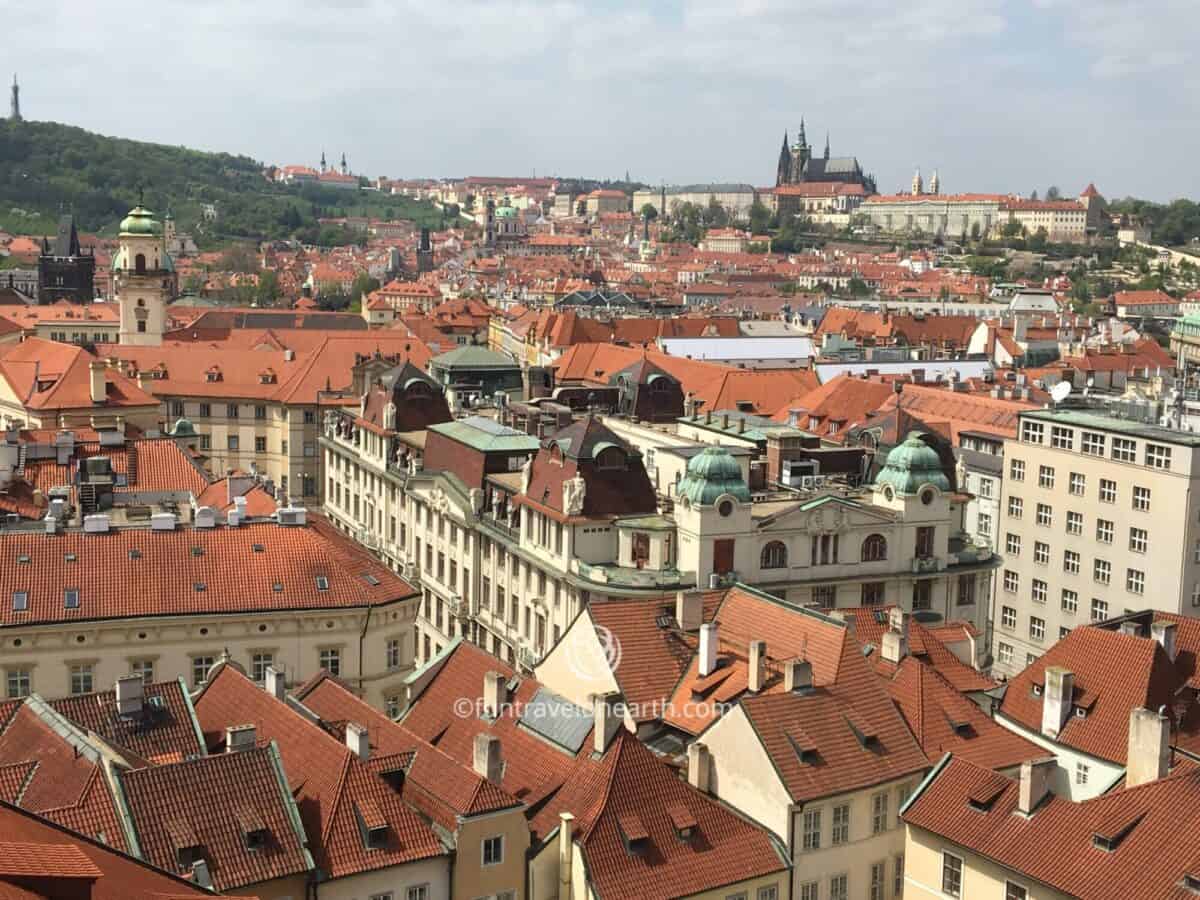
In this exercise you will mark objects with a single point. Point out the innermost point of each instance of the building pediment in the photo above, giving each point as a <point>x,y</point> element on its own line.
<point>822,514</point>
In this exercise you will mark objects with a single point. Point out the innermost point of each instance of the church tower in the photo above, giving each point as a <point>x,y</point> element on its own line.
<point>323,161</point>
<point>15,108</point>
<point>345,168</point>
<point>142,276</point>
<point>785,163</point>
<point>934,185</point>
<point>827,145</point>
<point>917,185</point>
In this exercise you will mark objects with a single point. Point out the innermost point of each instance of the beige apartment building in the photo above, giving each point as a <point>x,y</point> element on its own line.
<point>1100,516</point>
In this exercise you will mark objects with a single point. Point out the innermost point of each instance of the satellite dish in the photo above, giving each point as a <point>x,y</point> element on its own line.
<point>1060,392</point>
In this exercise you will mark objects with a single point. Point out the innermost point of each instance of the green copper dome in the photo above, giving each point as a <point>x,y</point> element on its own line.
<point>139,221</point>
<point>711,473</point>
<point>182,428</point>
<point>912,465</point>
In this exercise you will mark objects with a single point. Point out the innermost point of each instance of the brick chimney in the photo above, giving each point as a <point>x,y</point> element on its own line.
<point>756,666</point>
<point>1148,757</point>
<point>689,610</point>
<point>698,766</point>
<point>487,762</point>
<point>708,649</point>
<point>1034,783</point>
<point>1056,700</point>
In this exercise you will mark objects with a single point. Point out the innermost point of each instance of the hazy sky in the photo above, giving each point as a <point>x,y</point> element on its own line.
<point>998,95</point>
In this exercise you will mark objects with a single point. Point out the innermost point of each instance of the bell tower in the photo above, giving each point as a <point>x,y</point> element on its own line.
<point>143,274</point>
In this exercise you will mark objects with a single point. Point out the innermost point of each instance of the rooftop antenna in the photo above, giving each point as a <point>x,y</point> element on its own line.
<point>1060,392</point>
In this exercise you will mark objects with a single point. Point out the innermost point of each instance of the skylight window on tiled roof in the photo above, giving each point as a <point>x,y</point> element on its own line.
<point>20,600</point>
<point>135,553</point>
<point>959,724</point>
<point>371,579</point>
<point>23,558</point>
<point>199,586</point>
<point>258,548</point>
<point>254,829</point>
<point>322,583</point>
<point>71,598</point>
<point>1191,882</point>
<point>197,551</point>
<point>277,587</point>
<point>69,557</point>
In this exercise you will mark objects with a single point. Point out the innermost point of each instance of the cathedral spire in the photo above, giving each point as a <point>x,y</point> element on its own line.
<point>322,160</point>
<point>344,167</point>
<point>801,140</point>
<point>15,109</point>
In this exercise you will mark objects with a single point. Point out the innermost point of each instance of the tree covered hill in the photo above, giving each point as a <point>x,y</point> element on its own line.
<point>47,168</point>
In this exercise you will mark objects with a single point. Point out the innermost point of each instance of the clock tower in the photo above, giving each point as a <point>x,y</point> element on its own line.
<point>143,275</point>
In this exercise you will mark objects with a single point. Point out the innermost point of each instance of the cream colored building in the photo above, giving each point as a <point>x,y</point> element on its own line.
<point>143,276</point>
<point>1099,516</point>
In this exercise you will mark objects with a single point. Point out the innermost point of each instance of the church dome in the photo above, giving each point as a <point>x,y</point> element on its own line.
<point>182,428</point>
<point>912,465</point>
<point>139,221</point>
<point>712,473</point>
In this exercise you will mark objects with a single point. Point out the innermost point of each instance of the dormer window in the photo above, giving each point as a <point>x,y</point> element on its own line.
<point>71,598</point>
<point>20,601</point>
<point>372,826</point>
<point>322,583</point>
<point>682,820</point>
<point>254,830</point>
<point>633,833</point>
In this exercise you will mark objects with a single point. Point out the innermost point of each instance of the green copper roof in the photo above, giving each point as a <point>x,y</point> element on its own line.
<point>472,357</point>
<point>488,436</point>
<point>711,473</point>
<point>139,221</point>
<point>912,465</point>
<point>182,428</point>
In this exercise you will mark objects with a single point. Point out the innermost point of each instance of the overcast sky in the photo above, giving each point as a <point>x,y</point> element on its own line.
<point>998,95</point>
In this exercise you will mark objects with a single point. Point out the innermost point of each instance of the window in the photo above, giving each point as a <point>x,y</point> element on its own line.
<point>1004,653</point>
<point>259,663</point>
<point>1108,491</point>
<point>420,892</point>
<point>1070,601</point>
<point>1015,507</point>
<point>985,487</point>
<point>20,601</point>
<point>1037,628</point>
<point>1093,443</point>
<point>20,683</point>
<point>1046,476</point>
<point>984,525</point>
<point>898,876</point>
<point>824,549</point>
<point>838,888</point>
<point>841,824</point>
<point>1099,610</point>
<point>872,593</point>
<point>1008,617</point>
<point>1077,484</point>
<point>176,408</point>
<point>206,442</point>
<point>1141,499</point>
<point>1135,581</point>
<point>770,892</point>
<point>1102,571</point>
<point>386,895</point>
<point>330,659</point>
<point>143,667</point>
<point>1032,432</point>
<point>925,535</point>
<point>1074,523</point>
<point>393,653</point>
<point>1045,515</point>
<point>1041,553</point>
<point>232,441</point>
<point>878,876</point>
<point>1016,470</point>
<point>493,850</point>
<point>812,829</point>
<point>310,417</point>
<point>1138,539</point>
<point>1158,456</point>
<point>1124,450</point>
<point>951,875</point>
<point>1012,544</point>
<point>231,410</point>
<point>81,678</point>
<point>922,594</point>
<point>879,813</point>
<point>1040,591</point>
<point>1070,562</point>
<point>1062,438</point>
<point>774,555</point>
<point>200,667</point>
<point>260,445</point>
<point>810,891</point>
<point>1081,773</point>
<point>1063,631</point>
<point>874,548</point>
<point>260,412</point>
<point>966,590</point>
<point>1012,581</point>
<point>205,410</point>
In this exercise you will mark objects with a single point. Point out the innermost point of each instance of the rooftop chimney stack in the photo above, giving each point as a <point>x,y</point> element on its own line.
<point>566,852</point>
<point>358,740</point>
<point>894,646</point>
<point>698,766</point>
<point>797,675</point>
<point>240,737</point>
<point>708,649</point>
<point>487,762</point>
<point>757,659</point>
<point>494,694</point>
<point>1166,634</point>
<point>1149,752</point>
<point>99,385</point>
<point>1034,783</point>
<point>603,710</point>
<point>131,691</point>
<point>1056,702</point>
<point>689,610</point>
<point>276,683</point>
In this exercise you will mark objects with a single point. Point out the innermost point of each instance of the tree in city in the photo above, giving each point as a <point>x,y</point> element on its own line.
<point>760,217</point>
<point>649,212</point>
<point>1053,193</point>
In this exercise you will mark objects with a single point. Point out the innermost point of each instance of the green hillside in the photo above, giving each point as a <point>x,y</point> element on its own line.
<point>46,167</point>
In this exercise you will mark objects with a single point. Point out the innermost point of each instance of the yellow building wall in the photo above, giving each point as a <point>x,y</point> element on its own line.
<point>473,879</point>
<point>981,878</point>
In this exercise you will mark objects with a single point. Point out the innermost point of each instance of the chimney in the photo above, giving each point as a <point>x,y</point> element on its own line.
<point>99,384</point>
<point>689,610</point>
<point>1034,784</point>
<point>1165,633</point>
<point>1149,755</point>
<point>566,851</point>
<point>708,649</point>
<point>494,694</point>
<point>276,683</point>
<point>487,761</point>
<point>698,766</point>
<point>894,646</point>
<point>602,713</point>
<point>358,740</point>
<point>797,675</point>
<point>131,690</point>
<point>201,875</point>
<point>757,657</point>
<point>239,738</point>
<point>1056,700</point>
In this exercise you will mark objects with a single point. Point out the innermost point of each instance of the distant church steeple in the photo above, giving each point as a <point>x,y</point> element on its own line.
<point>344,167</point>
<point>827,145</point>
<point>917,184</point>
<point>15,109</point>
<point>934,184</point>
<point>322,160</point>
<point>785,162</point>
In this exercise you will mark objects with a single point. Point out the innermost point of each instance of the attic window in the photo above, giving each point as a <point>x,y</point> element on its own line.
<point>254,829</point>
<point>23,558</point>
<point>984,796</point>
<point>257,548</point>
<point>277,587</point>
<point>372,825</point>
<point>20,601</point>
<point>135,553</point>
<point>371,579</point>
<point>213,374</point>
<point>745,406</point>
<point>683,821</point>
<point>200,587</point>
<point>1109,834</point>
<point>863,731</point>
<point>70,557</point>
<point>71,598</point>
<point>804,747</point>
<point>633,832</point>
<point>322,583</point>
<point>197,551</point>
<point>1191,882</point>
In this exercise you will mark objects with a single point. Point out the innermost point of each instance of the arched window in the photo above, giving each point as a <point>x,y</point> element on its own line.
<point>774,556</point>
<point>610,458</point>
<point>139,264</point>
<point>874,548</point>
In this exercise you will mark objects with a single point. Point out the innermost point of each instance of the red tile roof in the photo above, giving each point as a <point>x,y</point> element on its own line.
<point>841,402</point>
<point>48,376</point>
